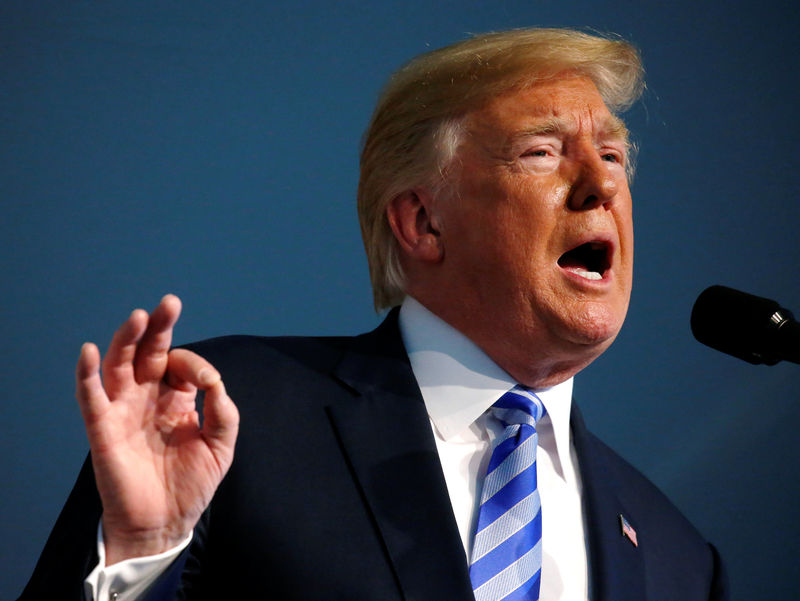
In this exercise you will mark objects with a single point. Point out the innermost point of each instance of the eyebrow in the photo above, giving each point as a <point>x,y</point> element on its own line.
<point>612,127</point>
<point>616,128</point>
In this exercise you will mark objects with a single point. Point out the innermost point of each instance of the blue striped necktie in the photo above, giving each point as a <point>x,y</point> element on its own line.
<point>506,558</point>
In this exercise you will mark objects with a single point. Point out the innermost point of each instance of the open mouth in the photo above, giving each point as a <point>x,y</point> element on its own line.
<point>590,260</point>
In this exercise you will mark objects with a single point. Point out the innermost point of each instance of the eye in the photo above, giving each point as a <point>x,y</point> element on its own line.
<point>612,157</point>
<point>535,153</point>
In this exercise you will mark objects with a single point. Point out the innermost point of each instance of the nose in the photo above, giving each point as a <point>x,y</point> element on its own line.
<point>596,185</point>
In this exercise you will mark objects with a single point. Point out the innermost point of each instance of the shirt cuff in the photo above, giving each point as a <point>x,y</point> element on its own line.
<point>127,580</point>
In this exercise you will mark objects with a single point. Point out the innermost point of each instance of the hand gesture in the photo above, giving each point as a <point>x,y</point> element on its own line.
<point>156,468</point>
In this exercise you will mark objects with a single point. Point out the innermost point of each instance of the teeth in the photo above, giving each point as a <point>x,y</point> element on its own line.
<point>589,275</point>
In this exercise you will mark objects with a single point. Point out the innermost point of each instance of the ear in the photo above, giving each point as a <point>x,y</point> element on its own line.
<point>414,225</point>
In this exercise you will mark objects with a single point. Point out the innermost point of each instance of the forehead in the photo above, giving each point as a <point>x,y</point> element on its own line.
<point>568,104</point>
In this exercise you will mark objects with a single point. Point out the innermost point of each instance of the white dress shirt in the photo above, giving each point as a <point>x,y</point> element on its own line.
<point>459,382</point>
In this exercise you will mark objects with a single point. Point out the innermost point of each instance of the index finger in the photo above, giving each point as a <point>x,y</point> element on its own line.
<point>188,370</point>
<point>150,361</point>
<point>118,361</point>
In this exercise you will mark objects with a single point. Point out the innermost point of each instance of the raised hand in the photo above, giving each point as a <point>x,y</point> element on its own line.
<point>156,469</point>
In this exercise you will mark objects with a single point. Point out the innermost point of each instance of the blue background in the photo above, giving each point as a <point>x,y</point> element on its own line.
<point>212,152</point>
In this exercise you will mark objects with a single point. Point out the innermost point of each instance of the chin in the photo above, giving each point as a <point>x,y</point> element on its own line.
<point>596,328</point>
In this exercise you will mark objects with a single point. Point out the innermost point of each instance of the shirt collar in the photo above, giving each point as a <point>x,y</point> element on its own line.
<point>459,381</point>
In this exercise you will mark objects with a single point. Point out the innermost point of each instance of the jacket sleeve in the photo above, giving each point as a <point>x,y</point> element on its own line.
<point>71,550</point>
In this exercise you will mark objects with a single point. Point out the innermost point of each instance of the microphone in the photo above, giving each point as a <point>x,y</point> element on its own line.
<point>755,329</point>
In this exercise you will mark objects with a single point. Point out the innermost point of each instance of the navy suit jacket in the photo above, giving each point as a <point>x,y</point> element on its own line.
<point>337,492</point>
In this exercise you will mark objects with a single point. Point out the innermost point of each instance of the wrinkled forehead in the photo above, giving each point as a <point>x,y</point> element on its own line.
<point>566,105</point>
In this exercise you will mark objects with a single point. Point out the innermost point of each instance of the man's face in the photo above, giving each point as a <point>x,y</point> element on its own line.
<point>537,234</point>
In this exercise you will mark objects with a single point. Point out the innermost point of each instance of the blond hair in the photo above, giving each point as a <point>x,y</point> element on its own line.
<point>414,131</point>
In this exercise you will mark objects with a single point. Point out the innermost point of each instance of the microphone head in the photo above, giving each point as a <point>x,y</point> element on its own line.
<point>735,323</point>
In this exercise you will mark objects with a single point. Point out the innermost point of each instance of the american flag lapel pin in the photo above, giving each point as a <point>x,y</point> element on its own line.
<point>627,530</point>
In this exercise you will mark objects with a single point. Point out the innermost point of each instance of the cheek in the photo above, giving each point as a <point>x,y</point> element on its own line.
<point>626,245</point>
<point>532,203</point>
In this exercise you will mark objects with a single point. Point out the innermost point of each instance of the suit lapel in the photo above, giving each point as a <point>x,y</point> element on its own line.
<point>386,434</point>
<point>616,564</point>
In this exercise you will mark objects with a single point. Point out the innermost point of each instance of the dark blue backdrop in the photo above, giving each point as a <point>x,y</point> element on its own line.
<point>212,152</point>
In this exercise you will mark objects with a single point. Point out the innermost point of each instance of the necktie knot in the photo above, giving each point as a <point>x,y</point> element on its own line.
<point>519,406</point>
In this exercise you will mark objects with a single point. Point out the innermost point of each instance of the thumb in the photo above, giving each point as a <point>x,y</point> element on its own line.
<point>220,423</point>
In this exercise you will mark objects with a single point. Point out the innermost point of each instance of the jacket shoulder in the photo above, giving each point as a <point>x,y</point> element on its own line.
<point>316,352</point>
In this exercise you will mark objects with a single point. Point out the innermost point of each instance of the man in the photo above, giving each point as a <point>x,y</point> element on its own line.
<point>495,209</point>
